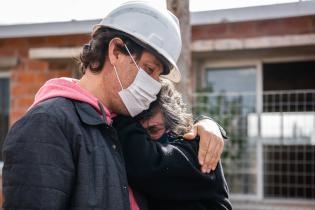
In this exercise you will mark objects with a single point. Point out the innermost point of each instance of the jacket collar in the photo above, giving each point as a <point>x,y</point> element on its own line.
<point>89,115</point>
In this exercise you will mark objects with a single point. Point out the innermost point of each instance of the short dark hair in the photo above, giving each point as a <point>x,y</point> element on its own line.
<point>95,52</point>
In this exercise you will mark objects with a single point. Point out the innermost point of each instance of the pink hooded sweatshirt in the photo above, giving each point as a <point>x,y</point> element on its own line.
<point>69,88</point>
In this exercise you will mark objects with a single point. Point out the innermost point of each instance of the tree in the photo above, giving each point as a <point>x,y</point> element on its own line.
<point>181,9</point>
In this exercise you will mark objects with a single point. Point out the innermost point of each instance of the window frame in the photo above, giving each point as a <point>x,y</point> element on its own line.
<point>6,75</point>
<point>257,62</point>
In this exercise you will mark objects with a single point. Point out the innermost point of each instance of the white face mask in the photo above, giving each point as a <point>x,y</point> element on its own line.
<point>141,93</point>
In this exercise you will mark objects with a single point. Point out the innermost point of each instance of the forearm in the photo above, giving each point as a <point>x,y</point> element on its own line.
<point>215,124</point>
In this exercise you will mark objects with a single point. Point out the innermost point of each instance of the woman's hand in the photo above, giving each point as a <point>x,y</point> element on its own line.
<point>211,143</point>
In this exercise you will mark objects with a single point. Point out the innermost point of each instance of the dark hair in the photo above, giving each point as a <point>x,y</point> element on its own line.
<point>95,52</point>
<point>169,101</point>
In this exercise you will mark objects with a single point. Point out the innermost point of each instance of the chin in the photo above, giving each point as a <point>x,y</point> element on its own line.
<point>121,111</point>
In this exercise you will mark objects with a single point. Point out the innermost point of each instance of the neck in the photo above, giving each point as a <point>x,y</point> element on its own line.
<point>96,85</point>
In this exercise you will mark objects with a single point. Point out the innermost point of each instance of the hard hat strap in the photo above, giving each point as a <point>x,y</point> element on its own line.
<point>118,77</point>
<point>131,57</point>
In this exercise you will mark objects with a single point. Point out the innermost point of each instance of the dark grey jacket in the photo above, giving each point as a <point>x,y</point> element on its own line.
<point>169,174</point>
<point>62,155</point>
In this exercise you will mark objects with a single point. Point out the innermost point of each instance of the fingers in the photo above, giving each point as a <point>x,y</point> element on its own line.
<point>203,146</point>
<point>192,134</point>
<point>210,156</point>
<point>213,155</point>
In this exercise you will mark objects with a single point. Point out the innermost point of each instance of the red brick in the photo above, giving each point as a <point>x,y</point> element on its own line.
<point>20,67</point>
<point>29,77</point>
<point>19,89</point>
<point>294,25</point>
<point>17,42</point>
<point>59,73</point>
<point>37,41</point>
<point>241,29</point>
<point>269,27</point>
<point>77,40</point>
<point>297,25</point>
<point>7,52</point>
<point>24,102</point>
<point>16,114</point>
<point>2,42</point>
<point>35,65</point>
<point>313,22</point>
<point>56,41</point>
<point>209,31</point>
<point>23,52</point>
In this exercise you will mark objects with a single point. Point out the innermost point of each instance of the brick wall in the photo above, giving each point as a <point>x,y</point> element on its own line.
<point>283,26</point>
<point>29,75</point>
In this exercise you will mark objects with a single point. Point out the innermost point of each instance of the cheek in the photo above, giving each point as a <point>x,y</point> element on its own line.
<point>144,124</point>
<point>128,74</point>
<point>157,135</point>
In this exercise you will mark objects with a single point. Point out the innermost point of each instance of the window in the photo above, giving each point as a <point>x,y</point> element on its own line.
<point>271,153</point>
<point>293,83</point>
<point>288,130</point>
<point>232,79</point>
<point>4,108</point>
<point>289,171</point>
<point>229,96</point>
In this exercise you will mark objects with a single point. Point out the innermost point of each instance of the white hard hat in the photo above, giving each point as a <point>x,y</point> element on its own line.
<point>154,26</point>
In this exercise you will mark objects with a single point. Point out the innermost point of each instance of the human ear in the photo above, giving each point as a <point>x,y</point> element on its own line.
<point>113,50</point>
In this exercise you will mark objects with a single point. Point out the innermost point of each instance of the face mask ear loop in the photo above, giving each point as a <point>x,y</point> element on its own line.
<point>131,57</point>
<point>118,77</point>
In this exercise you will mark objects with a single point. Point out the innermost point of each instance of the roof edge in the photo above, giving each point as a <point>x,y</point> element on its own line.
<point>275,11</point>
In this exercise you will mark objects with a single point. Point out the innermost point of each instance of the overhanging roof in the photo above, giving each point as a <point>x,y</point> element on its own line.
<point>274,11</point>
<point>302,8</point>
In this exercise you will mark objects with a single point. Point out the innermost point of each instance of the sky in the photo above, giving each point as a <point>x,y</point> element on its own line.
<point>39,11</point>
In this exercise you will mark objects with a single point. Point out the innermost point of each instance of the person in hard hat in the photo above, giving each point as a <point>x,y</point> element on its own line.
<point>64,153</point>
<point>162,165</point>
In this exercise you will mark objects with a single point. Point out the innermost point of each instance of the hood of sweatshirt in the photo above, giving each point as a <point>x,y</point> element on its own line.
<point>69,88</point>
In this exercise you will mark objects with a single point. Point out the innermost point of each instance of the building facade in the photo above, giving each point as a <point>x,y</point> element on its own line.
<point>253,70</point>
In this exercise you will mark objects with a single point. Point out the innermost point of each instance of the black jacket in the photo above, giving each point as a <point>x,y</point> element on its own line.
<point>169,174</point>
<point>61,155</point>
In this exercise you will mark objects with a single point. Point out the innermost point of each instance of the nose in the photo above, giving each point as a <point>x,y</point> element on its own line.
<point>156,76</point>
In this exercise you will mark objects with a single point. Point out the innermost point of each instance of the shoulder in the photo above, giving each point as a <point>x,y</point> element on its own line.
<point>45,122</point>
<point>55,112</point>
<point>54,105</point>
<point>54,109</point>
<point>189,148</point>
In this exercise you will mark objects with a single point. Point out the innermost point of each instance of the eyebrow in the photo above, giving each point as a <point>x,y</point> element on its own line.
<point>159,124</point>
<point>157,63</point>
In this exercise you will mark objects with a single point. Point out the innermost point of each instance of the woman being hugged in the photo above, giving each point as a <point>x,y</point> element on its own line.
<point>164,166</point>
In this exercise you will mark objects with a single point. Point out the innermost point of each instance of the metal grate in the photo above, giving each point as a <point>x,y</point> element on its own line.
<point>289,101</point>
<point>286,131</point>
<point>289,171</point>
<point>239,157</point>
